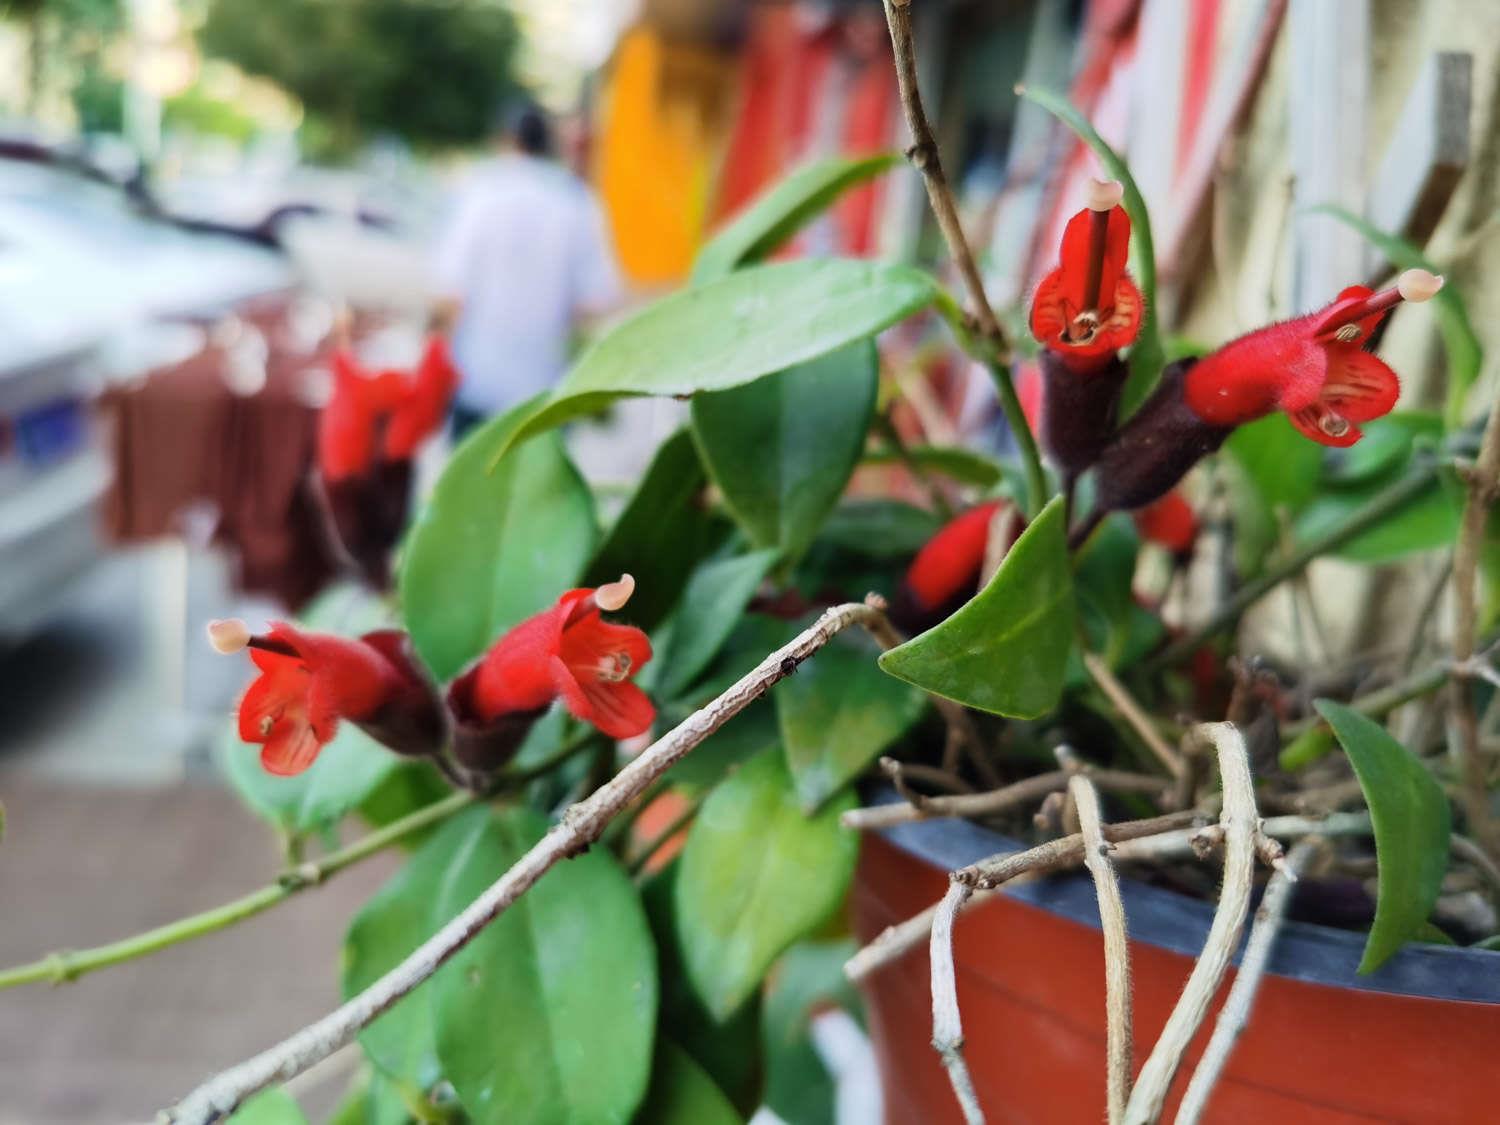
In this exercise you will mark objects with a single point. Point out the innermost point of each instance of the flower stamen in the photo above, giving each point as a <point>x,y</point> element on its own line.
<point>1413,285</point>
<point>615,667</point>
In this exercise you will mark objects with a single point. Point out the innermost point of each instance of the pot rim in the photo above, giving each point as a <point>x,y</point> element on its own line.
<point>1170,920</point>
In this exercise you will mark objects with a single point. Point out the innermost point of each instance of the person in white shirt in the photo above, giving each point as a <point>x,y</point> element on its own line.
<point>524,260</point>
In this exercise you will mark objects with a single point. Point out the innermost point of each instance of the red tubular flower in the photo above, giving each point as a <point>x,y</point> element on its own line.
<point>1170,523</point>
<point>946,571</point>
<point>1087,309</point>
<point>350,424</point>
<point>309,681</point>
<point>1313,367</point>
<point>1083,313</point>
<point>571,652</point>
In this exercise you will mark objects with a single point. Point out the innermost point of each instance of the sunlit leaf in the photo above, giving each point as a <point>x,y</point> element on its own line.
<point>1006,650</point>
<point>711,605</point>
<point>790,204</point>
<point>751,323</point>
<point>1412,824</point>
<point>270,1107</point>
<point>682,1094</point>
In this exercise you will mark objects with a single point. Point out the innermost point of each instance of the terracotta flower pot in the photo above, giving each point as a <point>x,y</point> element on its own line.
<point>1417,1041</point>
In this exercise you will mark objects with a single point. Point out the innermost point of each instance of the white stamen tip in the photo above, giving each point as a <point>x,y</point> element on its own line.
<point>1103,195</point>
<point>229,635</point>
<point>1418,285</point>
<point>613,595</point>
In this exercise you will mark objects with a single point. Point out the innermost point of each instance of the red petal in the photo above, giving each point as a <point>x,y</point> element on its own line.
<point>1334,315</point>
<point>426,405</point>
<point>949,563</point>
<point>1074,255</point>
<point>291,748</point>
<point>1308,420</point>
<point>1124,322</point>
<point>1169,523</point>
<point>281,687</point>
<point>1049,317</point>
<point>618,708</point>
<point>515,674</point>
<point>1359,385</point>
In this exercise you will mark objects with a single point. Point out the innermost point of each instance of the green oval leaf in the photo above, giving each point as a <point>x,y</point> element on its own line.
<point>682,1094</point>
<point>810,977</point>
<point>781,450</point>
<point>548,1015</point>
<point>784,209</point>
<point>1146,355</point>
<point>270,1107</point>
<point>398,918</point>
<point>711,606</point>
<point>1006,650</point>
<point>1426,522</point>
<point>838,713</point>
<point>493,547</point>
<point>879,529</point>
<point>963,465</point>
<point>1410,813</point>
<point>661,533</point>
<point>756,875</point>
<point>751,323</point>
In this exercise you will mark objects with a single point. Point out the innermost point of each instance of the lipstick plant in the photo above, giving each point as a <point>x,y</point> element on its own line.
<point>627,850</point>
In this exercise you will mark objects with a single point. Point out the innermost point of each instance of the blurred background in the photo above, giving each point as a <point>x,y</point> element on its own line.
<point>192,190</point>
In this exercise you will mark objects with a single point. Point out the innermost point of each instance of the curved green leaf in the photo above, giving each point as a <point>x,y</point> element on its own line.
<point>1410,813</point>
<point>682,1094</point>
<point>838,713</point>
<point>270,1107</point>
<point>548,1015</point>
<point>661,534</point>
<point>756,875</point>
<point>810,976</point>
<point>879,529</point>
<point>781,449</point>
<point>750,323</point>
<point>711,606</point>
<point>397,919</point>
<point>1426,522</point>
<point>777,214</point>
<point>1006,650</point>
<point>1147,355</point>
<point>493,547</point>
<point>1465,352</point>
<point>963,465</point>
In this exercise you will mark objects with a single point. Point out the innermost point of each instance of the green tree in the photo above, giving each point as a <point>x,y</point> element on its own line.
<point>428,71</point>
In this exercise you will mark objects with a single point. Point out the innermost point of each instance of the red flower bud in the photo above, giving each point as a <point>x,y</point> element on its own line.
<point>946,571</point>
<point>1313,367</point>
<point>425,405</point>
<point>310,681</point>
<point>1170,523</point>
<point>567,651</point>
<point>1088,308</point>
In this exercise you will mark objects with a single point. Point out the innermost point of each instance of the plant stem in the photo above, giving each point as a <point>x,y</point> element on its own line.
<point>64,965</point>
<point>1378,704</point>
<point>1356,523</point>
<point>892,437</point>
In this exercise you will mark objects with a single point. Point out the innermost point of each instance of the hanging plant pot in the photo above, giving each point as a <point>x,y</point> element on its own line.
<point>1415,1041</point>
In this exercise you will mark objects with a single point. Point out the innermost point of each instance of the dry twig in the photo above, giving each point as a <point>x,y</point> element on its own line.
<point>1236,1011</point>
<point>997,801</point>
<point>1241,824</point>
<point>1131,711</point>
<point>1116,944</point>
<point>579,827</point>
<point>947,1027</point>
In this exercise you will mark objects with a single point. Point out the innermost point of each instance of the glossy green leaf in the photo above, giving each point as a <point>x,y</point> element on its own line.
<point>966,466</point>
<point>1460,341</point>
<point>1147,355</point>
<point>729,1050</point>
<point>751,323</point>
<point>661,534</point>
<point>412,785</point>
<point>369,1099</point>
<point>838,713</point>
<point>493,547</point>
<point>1428,521</point>
<point>1282,464</point>
<point>1006,650</point>
<point>1116,626</point>
<point>397,919</point>
<point>682,1094</point>
<point>757,874</point>
<point>753,731</point>
<point>809,978</point>
<point>270,1107</point>
<point>1410,814</point>
<point>547,1015</point>
<point>711,606</point>
<point>879,529</point>
<point>790,204</point>
<point>1384,450</point>
<point>781,450</point>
